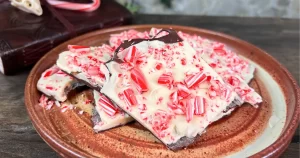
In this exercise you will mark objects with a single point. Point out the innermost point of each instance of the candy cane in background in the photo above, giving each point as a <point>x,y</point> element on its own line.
<point>75,6</point>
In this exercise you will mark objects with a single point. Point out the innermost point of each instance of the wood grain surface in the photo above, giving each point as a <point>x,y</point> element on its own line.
<point>279,37</point>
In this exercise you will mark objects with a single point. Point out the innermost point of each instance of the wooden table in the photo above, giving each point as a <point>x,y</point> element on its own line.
<point>279,37</point>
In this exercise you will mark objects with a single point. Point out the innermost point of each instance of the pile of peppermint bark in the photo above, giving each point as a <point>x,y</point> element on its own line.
<point>172,83</point>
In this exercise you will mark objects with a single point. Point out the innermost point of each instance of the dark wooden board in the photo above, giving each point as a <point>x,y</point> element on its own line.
<point>279,37</point>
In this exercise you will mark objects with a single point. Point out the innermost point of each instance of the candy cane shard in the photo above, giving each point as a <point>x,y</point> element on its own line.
<point>75,6</point>
<point>29,6</point>
<point>176,105</point>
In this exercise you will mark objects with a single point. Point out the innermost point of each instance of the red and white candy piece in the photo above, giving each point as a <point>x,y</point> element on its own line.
<point>194,80</point>
<point>43,100</point>
<point>233,81</point>
<point>51,71</point>
<point>75,47</point>
<point>165,78</point>
<point>78,48</point>
<point>199,105</point>
<point>190,109</point>
<point>226,94</point>
<point>107,105</point>
<point>174,97</point>
<point>129,97</point>
<point>183,91</point>
<point>75,6</point>
<point>130,55</point>
<point>138,77</point>
<point>158,66</point>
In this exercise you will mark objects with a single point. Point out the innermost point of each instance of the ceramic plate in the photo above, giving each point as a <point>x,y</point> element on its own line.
<point>248,131</point>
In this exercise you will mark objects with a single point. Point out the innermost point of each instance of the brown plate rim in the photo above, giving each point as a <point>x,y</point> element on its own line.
<point>65,149</point>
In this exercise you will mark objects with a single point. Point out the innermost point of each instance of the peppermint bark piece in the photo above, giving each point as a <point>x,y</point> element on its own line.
<point>56,84</point>
<point>166,87</point>
<point>86,63</point>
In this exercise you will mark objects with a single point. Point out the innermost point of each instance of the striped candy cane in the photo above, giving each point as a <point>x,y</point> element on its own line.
<point>75,6</point>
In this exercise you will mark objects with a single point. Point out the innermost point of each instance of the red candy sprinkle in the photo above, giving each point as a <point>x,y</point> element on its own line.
<point>61,73</point>
<point>52,71</point>
<point>213,65</point>
<point>92,58</point>
<point>220,52</point>
<point>72,47</point>
<point>107,106</point>
<point>212,92</point>
<point>199,105</point>
<point>144,115</point>
<point>194,80</point>
<point>183,91</point>
<point>130,55</point>
<point>233,81</point>
<point>208,78</point>
<point>130,98</point>
<point>142,107</point>
<point>165,79</point>
<point>141,60</point>
<point>158,66</point>
<point>138,77</point>
<point>174,97</point>
<point>218,46</point>
<point>189,109</point>
<point>48,73</point>
<point>183,61</point>
<point>227,94</point>
<point>49,87</point>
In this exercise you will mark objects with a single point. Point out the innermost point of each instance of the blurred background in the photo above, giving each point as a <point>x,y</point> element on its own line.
<point>242,8</point>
